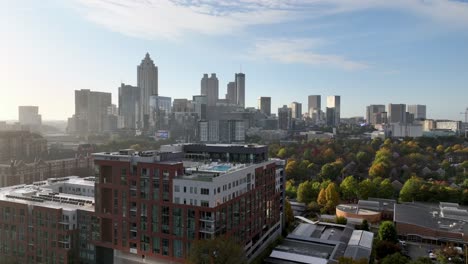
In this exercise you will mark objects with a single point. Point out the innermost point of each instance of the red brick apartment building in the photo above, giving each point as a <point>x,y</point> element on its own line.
<point>154,204</point>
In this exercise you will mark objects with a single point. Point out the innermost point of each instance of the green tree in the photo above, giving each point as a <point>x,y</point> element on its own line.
<point>422,260</point>
<point>366,189</point>
<point>395,258</point>
<point>410,190</point>
<point>386,189</point>
<point>363,157</point>
<point>281,153</point>
<point>387,232</point>
<point>341,220</point>
<point>308,191</point>
<point>385,248</point>
<point>136,147</point>
<point>217,251</point>
<point>291,190</point>
<point>292,168</point>
<point>349,188</point>
<point>289,213</point>
<point>365,225</point>
<point>331,171</point>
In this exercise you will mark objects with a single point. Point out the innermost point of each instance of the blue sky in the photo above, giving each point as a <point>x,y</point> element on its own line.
<point>367,51</point>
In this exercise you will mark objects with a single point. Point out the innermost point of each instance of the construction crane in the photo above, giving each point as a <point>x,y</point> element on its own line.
<point>466,115</point>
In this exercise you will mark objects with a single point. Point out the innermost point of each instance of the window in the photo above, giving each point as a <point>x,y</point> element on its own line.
<point>176,188</point>
<point>205,191</point>
<point>204,203</point>
<point>177,200</point>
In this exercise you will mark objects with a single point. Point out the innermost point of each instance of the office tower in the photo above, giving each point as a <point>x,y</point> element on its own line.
<point>334,101</point>
<point>129,105</point>
<point>147,81</point>
<point>374,114</point>
<point>231,95</point>
<point>296,109</point>
<point>419,111</point>
<point>160,202</point>
<point>29,115</point>
<point>284,118</point>
<point>180,105</point>
<point>160,107</point>
<point>396,113</point>
<point>315,107</point>
<point>264,105</point>
<point>210,88</point>
<point>240,88</point>
<point>91,109</point>
<point>199,106</point>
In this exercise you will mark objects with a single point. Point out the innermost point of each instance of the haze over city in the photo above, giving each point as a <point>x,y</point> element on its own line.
<point>369,52</point>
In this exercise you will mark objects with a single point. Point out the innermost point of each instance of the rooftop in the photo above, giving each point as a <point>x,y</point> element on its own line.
<point>47,193</point>
<point>446,217</point>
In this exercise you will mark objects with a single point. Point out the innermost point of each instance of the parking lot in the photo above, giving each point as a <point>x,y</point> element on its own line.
<point>416,250</point>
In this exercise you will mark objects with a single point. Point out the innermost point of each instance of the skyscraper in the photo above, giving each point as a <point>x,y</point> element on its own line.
<point>264,105</point>
<point>29,115</point>
<point>396,113</point>
<point>231,95</point>
<point>419,111</point>
<point>296,109</point>
<point>210,88</point>
<point>91,108</point>
<point>240,88</point>
<point>334,101</point>
<point>374,114</point>
<point>284,118</point>
<point>147,78</point>
<point>129,105</point>
<point>314,107</point>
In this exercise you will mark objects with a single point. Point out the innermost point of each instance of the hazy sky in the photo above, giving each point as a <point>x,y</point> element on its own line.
<point>369,52</point>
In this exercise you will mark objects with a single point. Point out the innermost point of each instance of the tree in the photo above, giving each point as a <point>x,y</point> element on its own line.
<point>341,220</point>
<point>219,250</point>
<point>366,189</point>
<point>410,189</point>
<point>332,194</point>
<point>385,248</point>
<point>308,191</point>
<point>365,225</point>
<point>289,213</point>
<point>378,169</point>
<point>386,189</point>
<point>136,147</point>
<point>363,158</point>
<point>387,232</point>
<point>281,153</point>
<point>422,260</point>
<point>291,190</point>
<point>329,155</point>
<point>331,171</point>
<point>349,188</point>
<point>292,168</point>
<point>322,198</point>
<point>395,258</point>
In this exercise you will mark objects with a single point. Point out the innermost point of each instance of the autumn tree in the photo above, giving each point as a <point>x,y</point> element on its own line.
<point>308,191</point>
<point>288,212</point>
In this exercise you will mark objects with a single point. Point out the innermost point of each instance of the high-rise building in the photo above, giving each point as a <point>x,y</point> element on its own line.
<point>29,115</point>
<point>231,95</point>
<point>91,109</point>
<point>129,105</point>
<point>419,111</point>
<point>315,107</point>
<point>374,114</point>
<point>240,88</point>
<point>180,105</point>
<point>396,113</point>
<point>160,107</point>
<point>222,131</point>
<point>296,109</point>
<point>199,103</point>
<point>210,88</point>
<point>147,81</point>
<point>284,118</point>
<point>264,105</point>
<point>334,101</point>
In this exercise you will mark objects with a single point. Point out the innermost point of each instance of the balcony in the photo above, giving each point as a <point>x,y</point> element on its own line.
<point>207,219</point>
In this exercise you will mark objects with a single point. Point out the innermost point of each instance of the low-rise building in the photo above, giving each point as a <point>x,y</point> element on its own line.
<point>373,210</point>
<point>48,221</point>
<point>437,224</point>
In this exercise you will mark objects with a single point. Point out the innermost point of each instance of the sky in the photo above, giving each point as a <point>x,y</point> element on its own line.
<point>367,51</point>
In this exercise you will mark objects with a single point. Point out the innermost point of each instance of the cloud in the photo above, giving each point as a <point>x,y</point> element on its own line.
<point>172,19</point>
<point>301,51</point>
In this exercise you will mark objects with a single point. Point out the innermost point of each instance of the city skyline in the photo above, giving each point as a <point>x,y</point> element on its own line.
<point>308,60</point>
